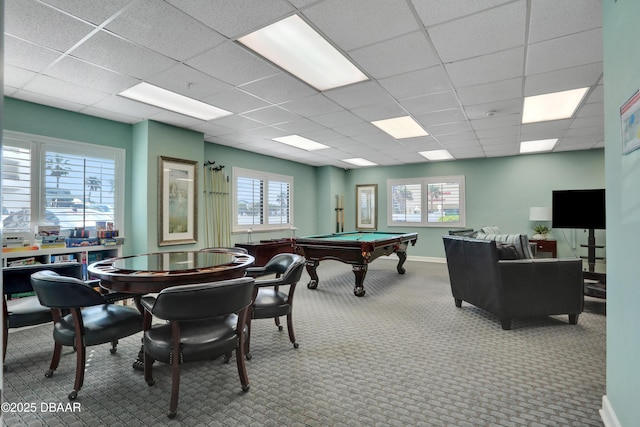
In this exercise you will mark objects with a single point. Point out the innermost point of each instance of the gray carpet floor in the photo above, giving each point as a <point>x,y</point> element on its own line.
<point>402,355</point>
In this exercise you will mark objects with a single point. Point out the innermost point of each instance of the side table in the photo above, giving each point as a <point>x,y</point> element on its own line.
<point>546,248</point>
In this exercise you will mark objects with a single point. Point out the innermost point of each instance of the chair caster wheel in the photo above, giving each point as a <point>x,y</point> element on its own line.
<point>49,373</point>
<point>296,345</point>
<point>171,415</point>
<point>280,327</point>
<point>151,382</point>
<point>73,395</point>
<point>113,350</point>
<point>248,356</point>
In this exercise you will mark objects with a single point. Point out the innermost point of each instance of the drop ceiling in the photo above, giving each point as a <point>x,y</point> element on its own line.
<point>460,68</point>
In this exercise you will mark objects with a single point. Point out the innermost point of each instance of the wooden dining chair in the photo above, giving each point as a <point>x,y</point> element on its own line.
<point>205,321</point>
<point>93,318</point>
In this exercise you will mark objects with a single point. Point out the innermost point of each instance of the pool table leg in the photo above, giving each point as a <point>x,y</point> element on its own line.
<point>359,270</point>
<point>311,266</point>
<point>402,257</point>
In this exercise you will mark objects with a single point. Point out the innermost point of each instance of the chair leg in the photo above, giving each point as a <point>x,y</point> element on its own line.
<point>81,359</point>
<point>292,336</point>
<point>5,340</point>
<point>176,357</point>
<point>55,360</point>
<point>277,320</point>
<point>148,370</point>
<point>247,339</point>
<point>114,347</point>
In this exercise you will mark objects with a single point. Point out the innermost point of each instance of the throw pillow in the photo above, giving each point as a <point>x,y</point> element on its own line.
<point>506,251</point>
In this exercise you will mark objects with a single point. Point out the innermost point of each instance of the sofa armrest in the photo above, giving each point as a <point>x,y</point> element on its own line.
<point>533,287</point>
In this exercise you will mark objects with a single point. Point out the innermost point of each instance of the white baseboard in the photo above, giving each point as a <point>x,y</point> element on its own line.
<point>608,415</point>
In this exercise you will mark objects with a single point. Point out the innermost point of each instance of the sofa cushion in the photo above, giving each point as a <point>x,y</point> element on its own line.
<point>490,230</point>
<point>506,251</point>
<point>519,241</point>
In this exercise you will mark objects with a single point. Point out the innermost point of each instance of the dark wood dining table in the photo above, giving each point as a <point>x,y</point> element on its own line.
<point>153,272</point>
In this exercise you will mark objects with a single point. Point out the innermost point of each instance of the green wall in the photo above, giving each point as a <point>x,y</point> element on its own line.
<point>494,186</point>
<point>499,192</point>
<point>621,79</point>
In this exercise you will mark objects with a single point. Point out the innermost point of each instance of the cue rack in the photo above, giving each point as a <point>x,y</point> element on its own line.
<point>217,206</point>
<point>339,213</point>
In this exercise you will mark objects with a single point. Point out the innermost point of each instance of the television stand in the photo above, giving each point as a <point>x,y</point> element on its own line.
<point>595,284</point>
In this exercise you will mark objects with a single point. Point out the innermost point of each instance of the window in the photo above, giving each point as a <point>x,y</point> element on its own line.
<point>426,202</point>
<point>261,200</point>
<point>47,181</point>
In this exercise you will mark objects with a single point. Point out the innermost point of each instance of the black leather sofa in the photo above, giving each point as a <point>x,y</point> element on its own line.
<point>512,288</point>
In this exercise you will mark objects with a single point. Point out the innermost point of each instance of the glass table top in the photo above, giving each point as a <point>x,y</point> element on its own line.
<point>173,261</point>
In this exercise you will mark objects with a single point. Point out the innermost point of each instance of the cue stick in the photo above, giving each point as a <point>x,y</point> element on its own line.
<point>337,213</point>
<point>342,213</point>
<point>206,207</point>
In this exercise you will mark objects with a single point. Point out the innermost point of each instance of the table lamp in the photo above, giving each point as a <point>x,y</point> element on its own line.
<point>540,215</point>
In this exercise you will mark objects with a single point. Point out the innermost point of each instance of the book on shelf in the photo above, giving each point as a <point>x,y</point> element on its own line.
<point>48,230</point>
<point>22,261</point>
<point>21,249</point>
<point>112,241</point>
<point>63,258</point>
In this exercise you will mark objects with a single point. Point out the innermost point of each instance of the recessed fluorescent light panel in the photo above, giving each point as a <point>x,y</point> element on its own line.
<point>296,47</point>
<point>301,142</point>
<point>436,155</point>
<point>158,97</point>
<point>358,161</point>
<point>537,146</point>
<point>401,127</point>
<point>552,106</point>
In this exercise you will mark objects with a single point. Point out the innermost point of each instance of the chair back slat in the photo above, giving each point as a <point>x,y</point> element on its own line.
<point>62,292</point>
<point>204,300</point>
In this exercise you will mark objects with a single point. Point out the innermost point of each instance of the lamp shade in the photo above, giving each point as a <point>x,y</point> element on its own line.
<point>539,214</point>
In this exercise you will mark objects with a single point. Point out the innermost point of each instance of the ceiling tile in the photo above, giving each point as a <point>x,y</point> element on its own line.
<point>27,55</point>
<point>489,92</point>
<point>415,83</point>
<point>271,115</point>
<point>402,54</point>
<point>564,79</point>
<point>20,16</point>
<point>470,36</point>
<point>64,90</point>
<point>452,115</point>
<point>232,64</point>
<point>384,110</point>
<point>361,22</point>
<point>189,82</point>
<point>119,55</point>
<point>431,103</point>
<point>314,105</point>
<point>564,52</point>
<point>235,18</point>
<point>236,101</point>
<point>437,11</point>
<point>566,17</point>
<point>85,74</point>
<point>146,23</point>
<point>279,88</point>
<point>339,118</point>
<point>16,77</point>
<point>358,95</point>
<point>95,12</point>
<point>488,68</point>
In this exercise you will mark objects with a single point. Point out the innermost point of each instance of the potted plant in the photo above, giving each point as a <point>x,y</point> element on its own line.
<point>541,231</point>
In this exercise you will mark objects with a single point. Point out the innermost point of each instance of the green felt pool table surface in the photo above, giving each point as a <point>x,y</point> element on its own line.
<point>358,248</point>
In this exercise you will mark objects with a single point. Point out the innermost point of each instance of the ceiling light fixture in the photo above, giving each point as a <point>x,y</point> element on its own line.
<point>537,146</point>
<point>436,155</point>
<point>552,106</point>
<point>401,127</point>
<point>158,97</point>
<point>296,47</point>
<point>359,161</point>
<point>300,142</point>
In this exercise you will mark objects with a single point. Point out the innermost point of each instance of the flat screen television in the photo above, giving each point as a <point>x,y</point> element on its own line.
<point>578,209</point>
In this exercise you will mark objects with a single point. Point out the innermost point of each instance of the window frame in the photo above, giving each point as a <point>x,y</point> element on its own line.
<point>266,177</point>
<point>39,145</point>
<point>424,183</point>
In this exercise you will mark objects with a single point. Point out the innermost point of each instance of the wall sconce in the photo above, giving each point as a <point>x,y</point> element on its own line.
<point>540,215</point>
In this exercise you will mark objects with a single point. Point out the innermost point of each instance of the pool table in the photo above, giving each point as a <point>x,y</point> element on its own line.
<point>357,248</point>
